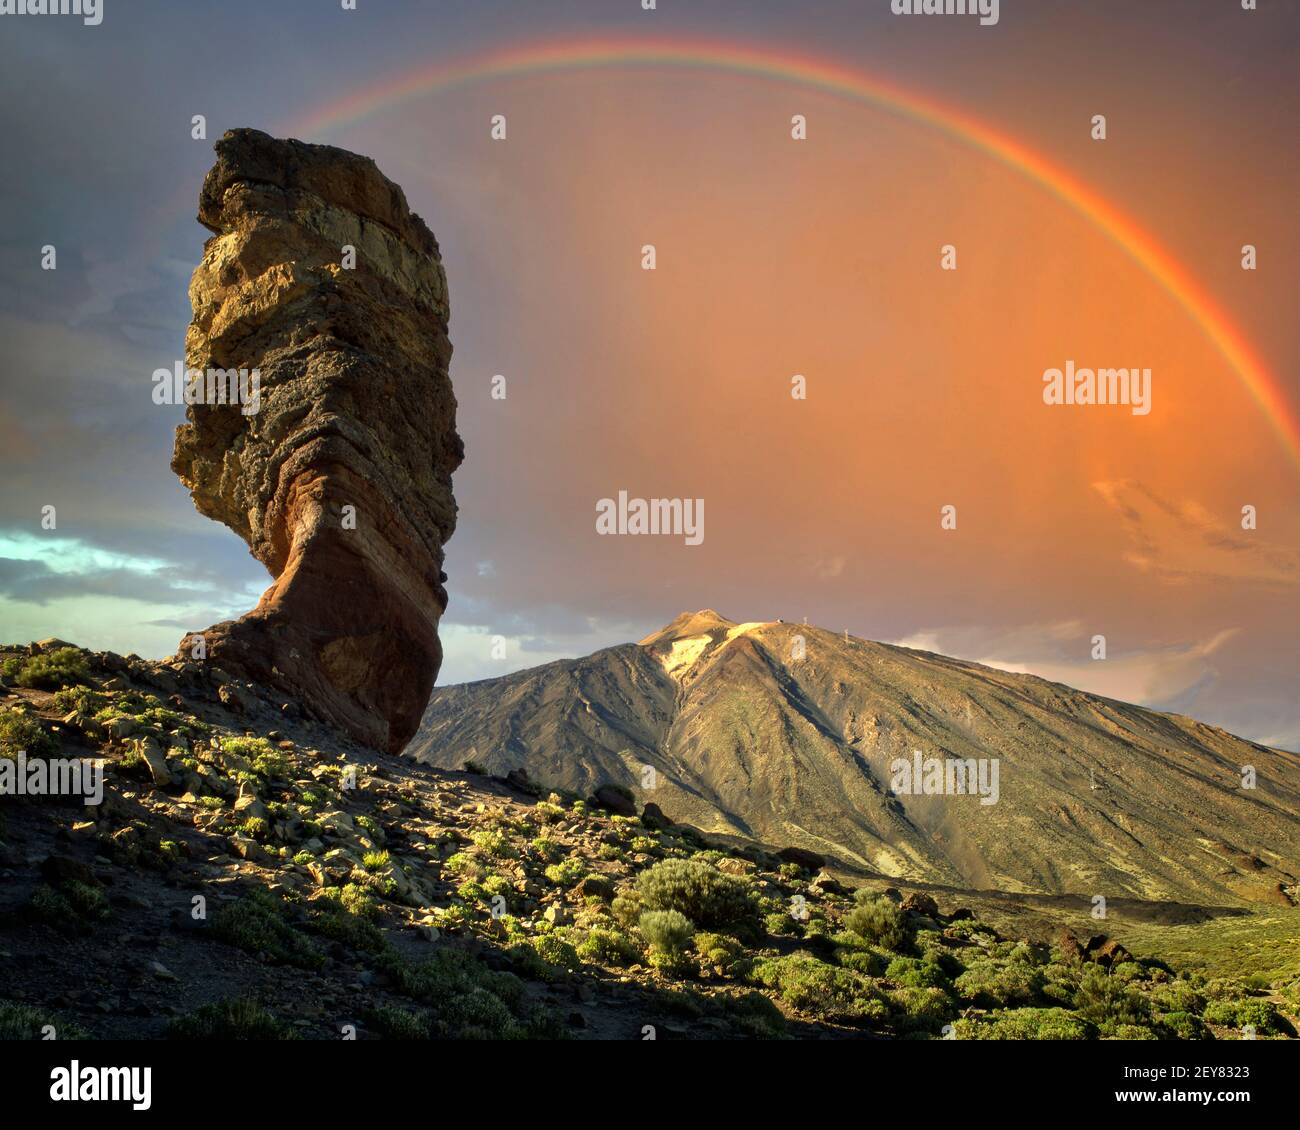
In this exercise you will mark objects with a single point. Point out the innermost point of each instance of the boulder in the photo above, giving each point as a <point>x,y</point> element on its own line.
<point>247,805</point>
<point>825,884</point>
<point>616,799</point>
<point>151,751</point>
<point>519,780</point>
<point>920,903</point>
<point>336,466</point>
<point>1107,952</point>
<point>1069,946</point>
<point>652,816</point>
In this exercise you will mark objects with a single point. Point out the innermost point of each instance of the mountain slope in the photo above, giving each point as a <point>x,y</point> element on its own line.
<point>787,734</point>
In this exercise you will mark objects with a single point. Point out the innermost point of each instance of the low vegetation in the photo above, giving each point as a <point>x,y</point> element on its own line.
<point>454,909</point>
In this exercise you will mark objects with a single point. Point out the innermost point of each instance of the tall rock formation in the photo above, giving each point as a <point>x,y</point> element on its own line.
<point>340,481</point>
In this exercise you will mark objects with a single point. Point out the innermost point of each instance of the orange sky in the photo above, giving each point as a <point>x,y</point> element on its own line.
<point>774,258</point>
<point>925,386</point>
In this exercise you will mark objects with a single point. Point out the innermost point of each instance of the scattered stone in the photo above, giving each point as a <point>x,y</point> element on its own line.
<point>151,751</point>
<point>247,805</point>
<point>122,727</point>
<point>826,884</point>
<point>918,902</point>
<point>519,779</point>
<point>235,699</point>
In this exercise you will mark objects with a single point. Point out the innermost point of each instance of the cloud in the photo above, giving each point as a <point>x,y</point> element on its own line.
<point>828,568</point>
<point>95,596</point>
<point>1181,542</point>
<point>1062,653</point>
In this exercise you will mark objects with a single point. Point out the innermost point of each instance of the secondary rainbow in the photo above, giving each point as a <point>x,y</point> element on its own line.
<point>836,79</point>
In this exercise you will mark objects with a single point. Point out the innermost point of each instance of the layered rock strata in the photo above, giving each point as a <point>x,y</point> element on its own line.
<point>335,466</point>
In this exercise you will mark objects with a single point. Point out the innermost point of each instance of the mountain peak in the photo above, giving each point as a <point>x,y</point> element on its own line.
<point>689,624</point>
<point>789,734</point>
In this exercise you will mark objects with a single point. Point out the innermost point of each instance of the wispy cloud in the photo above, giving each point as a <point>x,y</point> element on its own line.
<point>1062,652</point>
<point>1183,541</point>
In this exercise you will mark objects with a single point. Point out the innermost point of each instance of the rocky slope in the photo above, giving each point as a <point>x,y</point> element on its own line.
<point>786,734</point>
<point>250,874</point>
<point>340,481</point>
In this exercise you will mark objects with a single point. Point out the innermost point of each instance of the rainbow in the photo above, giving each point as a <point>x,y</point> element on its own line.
<point>835,79</point>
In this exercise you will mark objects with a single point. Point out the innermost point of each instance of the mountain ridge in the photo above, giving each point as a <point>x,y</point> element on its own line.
<point>785,733</point>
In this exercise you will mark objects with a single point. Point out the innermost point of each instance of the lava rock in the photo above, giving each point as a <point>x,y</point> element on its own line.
<point>336,467</point>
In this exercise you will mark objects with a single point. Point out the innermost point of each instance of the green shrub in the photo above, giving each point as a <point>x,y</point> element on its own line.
<point>469,1001</point>
<point>782,924</point>
<point>567,873</point>
<point>498,885</point>
<point>395,1023</point>
<point>879,920</point>
<point>626,909</point>
<point>824,991</point>
<point>239,1019</point>
<point>556,952</point>
<point>28,1022</point>
<point>255,826</point>
<point>265,759</point>
<point>668,931</point>
<point>259,923</point>
<point>724,955</point>
<point>73,908</point>
<point>1184,1026</point>
<point>608,947</point>
<point>1025,1024</point>
<point>862,959</point>
<point>50,670</point>
<point>375,860</point>
<point>921,1009</point>
<point>700,892</point>
<point>992,985</point>
<point>916,973</point>
<point>1108,1003</point>
<point>755,1015</point>
<point>1243,1012</point>
<point>547,849</point>
<point>493,841</point>
<point>1177,996</point>
<point>23,732</point>
<point>346,914</point>
<point>83,700</point>
<point>1128,1032</point>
